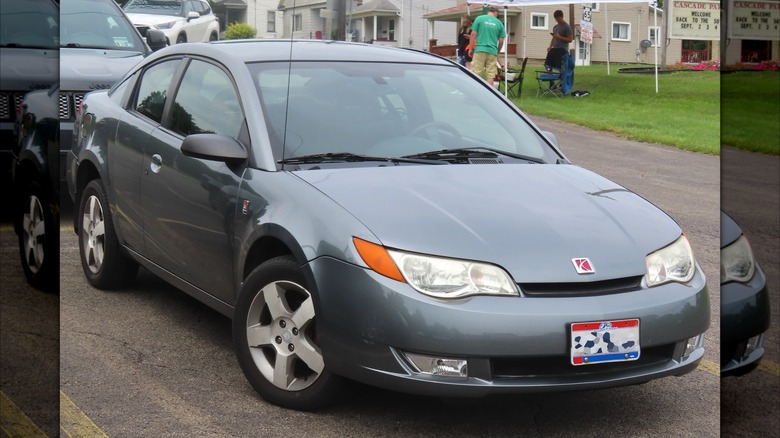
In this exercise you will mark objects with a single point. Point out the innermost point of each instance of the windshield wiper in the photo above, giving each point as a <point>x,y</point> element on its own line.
<point>467,153</point>
<point>350,157</point>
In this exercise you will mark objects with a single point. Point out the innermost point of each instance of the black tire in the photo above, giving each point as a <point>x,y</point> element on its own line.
<point>181,38</point>
<point>213,36</point>
<point>104,263</point>
<point>39,237</point>
<point>287,331</point>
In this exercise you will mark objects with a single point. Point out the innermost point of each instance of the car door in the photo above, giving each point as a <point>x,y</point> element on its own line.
<point>197,26</point>
<point>125,158</point>
<point>190,202</point>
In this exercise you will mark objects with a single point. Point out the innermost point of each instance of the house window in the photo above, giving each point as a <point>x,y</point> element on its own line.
<point>621,31</point>
<point>594,7</point>
<point>297,22</point>
<point>271,21</point>
<point>652,35</point>
<point>391,25</point>
<point>538,21</point>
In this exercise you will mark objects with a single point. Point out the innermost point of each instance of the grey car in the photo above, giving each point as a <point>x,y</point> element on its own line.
<point>380,215</point>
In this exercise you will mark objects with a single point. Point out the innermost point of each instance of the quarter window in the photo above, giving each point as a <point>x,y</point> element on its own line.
<point>206,102</point>
<point>153,89</point>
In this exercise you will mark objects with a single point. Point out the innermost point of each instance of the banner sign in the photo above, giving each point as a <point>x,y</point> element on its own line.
<point>695,20</point>
<point>586,32</point>
<point>754,20</point>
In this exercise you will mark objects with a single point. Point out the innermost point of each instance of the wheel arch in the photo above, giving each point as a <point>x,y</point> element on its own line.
<point>272,240</point>
<point>87,171</point>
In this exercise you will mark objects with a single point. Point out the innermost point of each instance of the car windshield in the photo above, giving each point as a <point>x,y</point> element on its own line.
<point>390,110</point>
<point>97,25</point>
<point>29,24</point>
<point>155,7</point>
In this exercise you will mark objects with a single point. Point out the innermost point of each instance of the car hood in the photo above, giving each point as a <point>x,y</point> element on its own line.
<point>151,19</point>
<point>94,69</point>
<point>28,69</point>
<point>530,219</point>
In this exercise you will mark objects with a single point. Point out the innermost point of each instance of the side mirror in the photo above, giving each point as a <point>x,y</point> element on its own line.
<point>192,15</point>
<point>156,40</point>
<point>550,136</point>
<point>215,147</point>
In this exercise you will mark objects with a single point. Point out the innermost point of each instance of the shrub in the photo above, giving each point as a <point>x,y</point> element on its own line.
<point>237,31</point>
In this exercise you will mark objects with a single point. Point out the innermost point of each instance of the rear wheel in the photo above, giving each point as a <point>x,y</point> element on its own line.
<point>276,338</point>
<point>39,238</point>
<point>102,259</point>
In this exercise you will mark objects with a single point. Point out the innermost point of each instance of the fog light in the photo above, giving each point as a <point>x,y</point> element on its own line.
<point>752,345</point>
<point>692,344</point>
<point>438,366</point>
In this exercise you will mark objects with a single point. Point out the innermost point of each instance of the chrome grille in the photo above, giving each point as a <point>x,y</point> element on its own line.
<point>9,102</point>
<point>64,105</point>
<point>69,103</point>
<point>5,106</point>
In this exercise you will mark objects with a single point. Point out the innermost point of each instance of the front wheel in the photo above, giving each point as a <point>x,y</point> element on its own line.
<point>276,338</point>
<point>102,259</point>
<point>39,239</point>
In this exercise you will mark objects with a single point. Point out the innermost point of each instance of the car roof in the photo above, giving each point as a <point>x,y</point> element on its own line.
<point>302,50</point>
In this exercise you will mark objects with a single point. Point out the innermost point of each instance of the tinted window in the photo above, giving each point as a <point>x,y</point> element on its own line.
<point>206,102</point>
<point>157,7</point>
<point>153,89</point>
<point>32,24</point>
<point>97,24</point>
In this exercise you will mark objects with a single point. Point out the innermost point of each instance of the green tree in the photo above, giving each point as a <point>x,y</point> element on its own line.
<point>236,31</point>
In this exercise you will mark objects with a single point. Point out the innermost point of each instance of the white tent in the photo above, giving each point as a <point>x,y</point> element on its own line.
<point>507,3</point>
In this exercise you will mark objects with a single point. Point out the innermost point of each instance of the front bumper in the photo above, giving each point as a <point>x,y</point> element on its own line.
<point>366,322</point>
<point>744,314</point>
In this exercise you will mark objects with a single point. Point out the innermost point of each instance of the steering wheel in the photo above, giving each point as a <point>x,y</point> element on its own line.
<point>432,129</point>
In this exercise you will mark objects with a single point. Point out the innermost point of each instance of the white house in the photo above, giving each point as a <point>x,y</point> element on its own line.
<point>389,22</point>
<point>263,15</point>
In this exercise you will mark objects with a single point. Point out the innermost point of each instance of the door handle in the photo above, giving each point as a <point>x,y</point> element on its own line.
<point>156,164</point>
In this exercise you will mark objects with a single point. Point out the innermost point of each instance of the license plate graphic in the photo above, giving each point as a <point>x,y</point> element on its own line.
<point>604,341</point>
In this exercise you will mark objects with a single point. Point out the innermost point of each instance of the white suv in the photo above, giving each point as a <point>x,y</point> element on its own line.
<point>181,20</point>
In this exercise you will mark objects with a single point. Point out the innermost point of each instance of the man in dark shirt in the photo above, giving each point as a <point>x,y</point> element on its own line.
<point>562,35</point>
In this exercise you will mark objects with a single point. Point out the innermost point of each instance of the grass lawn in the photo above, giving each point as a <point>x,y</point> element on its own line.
<point>750,111</point>
<point>685,112</point>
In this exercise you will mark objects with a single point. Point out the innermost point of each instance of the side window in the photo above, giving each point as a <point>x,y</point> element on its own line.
<point>188,7</point>
<point>206,102</point>
<point>203,8</point>
<point>153,89</point>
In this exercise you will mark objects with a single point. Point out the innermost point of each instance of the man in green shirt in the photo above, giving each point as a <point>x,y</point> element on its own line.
<point>487,38</point>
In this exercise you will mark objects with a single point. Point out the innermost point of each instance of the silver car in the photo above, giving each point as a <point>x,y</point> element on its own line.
<point>380,215</point>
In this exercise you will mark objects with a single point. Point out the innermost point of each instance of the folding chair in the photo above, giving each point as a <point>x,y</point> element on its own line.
<point>515,86</point>
<point>550,82</point>
<point>557,82</point>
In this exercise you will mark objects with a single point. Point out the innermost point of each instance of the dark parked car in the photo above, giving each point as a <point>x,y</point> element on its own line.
<point>29,48</point>
<point>99,45</point>
<point>744,302</point>
<point>381,215</point>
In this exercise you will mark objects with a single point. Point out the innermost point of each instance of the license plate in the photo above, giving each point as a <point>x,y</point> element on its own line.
<point>604,341</point>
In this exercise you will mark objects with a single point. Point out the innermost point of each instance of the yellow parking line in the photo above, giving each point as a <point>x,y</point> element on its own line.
<point>74,422</point>
<point>770,367</point>
<point>14,422</point>
<point>710,367</point>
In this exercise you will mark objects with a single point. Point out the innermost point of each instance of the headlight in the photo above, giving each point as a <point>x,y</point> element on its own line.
<point>451,278</point>
<point>437,276</point>
<point>672,263</point>
<point>737,262</point>
<point>167,25</point>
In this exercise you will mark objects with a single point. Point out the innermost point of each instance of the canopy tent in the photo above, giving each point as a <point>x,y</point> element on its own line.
<point>508,3</point>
